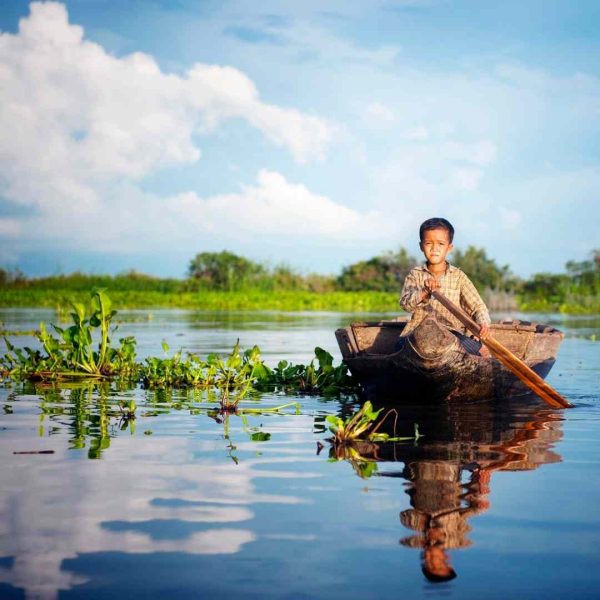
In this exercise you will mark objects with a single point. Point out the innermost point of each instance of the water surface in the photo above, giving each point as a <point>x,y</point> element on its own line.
<point>184,503</point>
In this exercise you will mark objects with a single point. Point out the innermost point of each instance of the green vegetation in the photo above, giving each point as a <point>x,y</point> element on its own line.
<point>81,360</point>
<point>384,273</point>
<point>357,439</point>
<point>75,354</point>
<point>285,300</point>
<point>72,354</point>
<point>363,426</point>
<point>324,378</point>
<point>576,291</point>
<point>225,281</point>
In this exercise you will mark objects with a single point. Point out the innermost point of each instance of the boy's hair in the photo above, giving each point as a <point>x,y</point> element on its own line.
<point>436,223</point>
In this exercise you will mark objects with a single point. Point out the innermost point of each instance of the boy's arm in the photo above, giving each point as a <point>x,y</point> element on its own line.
<point>412,293</point>
<point>472,302</point>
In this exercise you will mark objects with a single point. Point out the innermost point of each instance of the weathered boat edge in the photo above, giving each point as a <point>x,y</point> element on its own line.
<point>453,374</point>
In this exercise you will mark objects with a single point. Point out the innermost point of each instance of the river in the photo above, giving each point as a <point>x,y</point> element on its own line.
<point>494,501</point>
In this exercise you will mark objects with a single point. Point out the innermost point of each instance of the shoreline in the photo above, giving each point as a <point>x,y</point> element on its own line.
<point>288,301</point>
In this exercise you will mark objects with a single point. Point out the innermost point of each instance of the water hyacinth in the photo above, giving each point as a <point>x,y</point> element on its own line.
<point>363,426</point>
<point>72,354</point>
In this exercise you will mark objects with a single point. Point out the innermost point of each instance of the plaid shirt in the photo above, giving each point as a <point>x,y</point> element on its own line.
<point>455,285</point>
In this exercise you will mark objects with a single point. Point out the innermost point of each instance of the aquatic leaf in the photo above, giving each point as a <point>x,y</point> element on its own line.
<point>335,423</point>
<point>79,314</point>
<point>260,436</point>
<point>261,371</point>
<point>365,469</point>
<point>325,359</point>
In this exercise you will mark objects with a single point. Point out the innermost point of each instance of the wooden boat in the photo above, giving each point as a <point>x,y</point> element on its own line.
<point>433,364</point>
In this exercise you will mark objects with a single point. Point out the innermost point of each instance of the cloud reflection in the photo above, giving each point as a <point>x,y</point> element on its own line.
<point>149,495</point>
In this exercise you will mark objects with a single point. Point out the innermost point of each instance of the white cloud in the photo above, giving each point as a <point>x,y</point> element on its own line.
<point>510,218</point>
<point>73,117</point>
<point>466,179</point>
<point>480,153</point>
<point>276,207</point>
<point>272,209</point>
<point>441,139</point>
<point>9,228</point>
<point>430,173</point>
<point>379,114</point>
<point>417,134</point>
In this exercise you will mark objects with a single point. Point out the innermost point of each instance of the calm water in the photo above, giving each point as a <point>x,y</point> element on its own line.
<point>182,505</point>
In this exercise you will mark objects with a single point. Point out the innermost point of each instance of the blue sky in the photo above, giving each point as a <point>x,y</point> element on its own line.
<point>136,134</point>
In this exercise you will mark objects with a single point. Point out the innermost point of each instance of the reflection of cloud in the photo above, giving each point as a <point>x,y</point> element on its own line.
<point>210,541</point>
<point>172,501</point>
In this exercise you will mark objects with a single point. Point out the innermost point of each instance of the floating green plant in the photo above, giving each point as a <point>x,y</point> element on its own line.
<point>363,426</point>
<point>323,378</point>
<point>73,353</point>
<point>233,374</point>
<point>84,350</point>
<point>357,439</point>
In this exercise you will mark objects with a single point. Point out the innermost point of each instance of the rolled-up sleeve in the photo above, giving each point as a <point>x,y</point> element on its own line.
<point>411,293</point>
<point>472,302</point>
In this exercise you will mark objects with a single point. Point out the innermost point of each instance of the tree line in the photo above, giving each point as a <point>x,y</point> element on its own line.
<point>226,271</point>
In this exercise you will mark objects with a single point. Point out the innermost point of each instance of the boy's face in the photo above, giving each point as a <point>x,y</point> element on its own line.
<point>436,245</point>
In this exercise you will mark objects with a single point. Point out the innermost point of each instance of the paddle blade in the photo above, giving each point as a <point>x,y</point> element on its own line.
<point>527,375</point>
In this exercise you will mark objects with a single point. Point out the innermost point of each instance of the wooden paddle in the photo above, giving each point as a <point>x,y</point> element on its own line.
<point>529,377</point>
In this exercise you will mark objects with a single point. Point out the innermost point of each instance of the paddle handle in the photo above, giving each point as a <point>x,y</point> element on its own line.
<point>514,364</point>
<point>458,312</point>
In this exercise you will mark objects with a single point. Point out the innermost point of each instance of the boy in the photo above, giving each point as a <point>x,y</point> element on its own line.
<point>436,242</point>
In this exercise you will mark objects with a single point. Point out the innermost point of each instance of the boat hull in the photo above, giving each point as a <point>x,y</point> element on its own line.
<point>433,365</point>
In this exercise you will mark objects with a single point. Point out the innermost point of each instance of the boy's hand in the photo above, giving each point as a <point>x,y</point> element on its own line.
<point>484,331</point>
<point>431,285</point>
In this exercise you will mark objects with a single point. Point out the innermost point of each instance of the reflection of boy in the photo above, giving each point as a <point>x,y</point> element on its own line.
<point>438,514</point>
<point>436,237</point>
<point>436,564</point>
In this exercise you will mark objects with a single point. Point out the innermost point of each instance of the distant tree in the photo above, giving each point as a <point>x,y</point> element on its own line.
<point>283,277</point>
<point>320,284</point>
<point>224,270</point>
<point>384,273</point>
<point>550,287</point>
<point>12,277</point>
<point>586,273</point>
<point>483,271</point>
<point>578,287</point>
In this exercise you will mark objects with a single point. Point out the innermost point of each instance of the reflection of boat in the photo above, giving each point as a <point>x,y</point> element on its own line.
<point>449,470</point>
<point>433,363</point>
